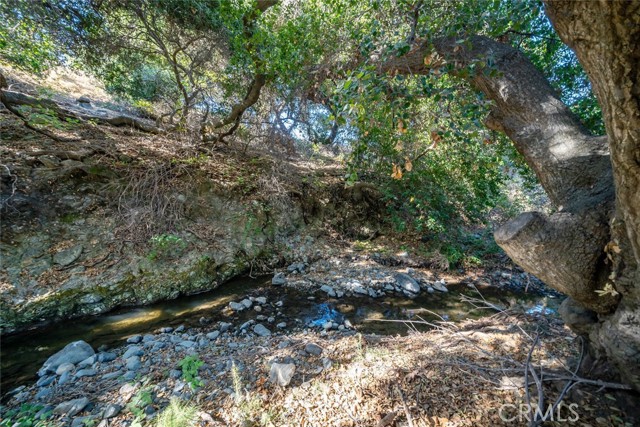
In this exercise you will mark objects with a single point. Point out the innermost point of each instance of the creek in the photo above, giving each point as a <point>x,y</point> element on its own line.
<point>24,353</point>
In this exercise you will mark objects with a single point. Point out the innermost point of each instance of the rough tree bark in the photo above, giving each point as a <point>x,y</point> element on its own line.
<point>579,249</point>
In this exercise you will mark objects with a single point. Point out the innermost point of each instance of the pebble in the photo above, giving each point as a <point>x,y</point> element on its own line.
<point>43,394</point>
<point>224,327</point>
<point>281,325</point>
<point>179,329</point>
<point>261,300</point>
<point>134,350</point>
<point>247,303</point>
<point>166,330</point>
<point>257,308</point>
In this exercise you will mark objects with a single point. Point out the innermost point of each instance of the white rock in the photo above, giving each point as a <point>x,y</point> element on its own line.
<point>282,373</point>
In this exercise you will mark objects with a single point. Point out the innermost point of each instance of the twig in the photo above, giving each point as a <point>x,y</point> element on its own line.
<point>404,405</point>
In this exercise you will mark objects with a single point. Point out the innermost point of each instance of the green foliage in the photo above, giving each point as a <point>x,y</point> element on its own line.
<point>33,51</point>
<point>46,117</point>
<point>166,246</point>
<point>26,416</point>
<point>190,365</point>
<point>138,403</point>
<point>177,414</point>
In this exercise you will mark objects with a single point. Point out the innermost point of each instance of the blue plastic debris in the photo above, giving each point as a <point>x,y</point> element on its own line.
<point>326,314</point>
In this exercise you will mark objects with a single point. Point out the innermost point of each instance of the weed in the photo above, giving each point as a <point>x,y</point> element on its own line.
<point>165,245</point>
<point>139,402</point>
<point>26,416</point>
<point>190,365</point>
<point>177,414</point>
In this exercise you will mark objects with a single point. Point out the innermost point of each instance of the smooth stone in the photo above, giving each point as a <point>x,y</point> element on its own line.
<point>257,308</point>
<point>87,362</point>
<point>314,349</point>
<point>179,329</point>
<point>134,339</point>
<point>45,381</point>
<point>65,377</point>
<point>133,363</point>
<point>224,327</point>
<point>261,330</point>
<point>187,344</point>
<point>106,357</point>
<point>407,283</point>
<point>111,411</point>
<point>440,286</point>
<point>175,373</point>
<point>279,279</point>
<point>236,306</point>
<point>213,335</point>
<point>328,290</point>
<point>247,303</point>
<point>71,407</point>
<point>246,324</point>
<point>85,373</point>
<point>166,330</point>
<point>281,325</point>
<point>261,300</point>
<point>134,350</point>
<point>111,375</point>
<point>282,373</point>
<point>74,352</point>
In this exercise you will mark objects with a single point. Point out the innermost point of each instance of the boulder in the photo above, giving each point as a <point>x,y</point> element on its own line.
<point>73,353</point>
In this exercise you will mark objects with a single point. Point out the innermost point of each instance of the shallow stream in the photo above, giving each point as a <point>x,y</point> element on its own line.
<point>23,354</point>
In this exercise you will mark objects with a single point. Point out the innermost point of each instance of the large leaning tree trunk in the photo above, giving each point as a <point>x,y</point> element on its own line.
<point>590,248</point>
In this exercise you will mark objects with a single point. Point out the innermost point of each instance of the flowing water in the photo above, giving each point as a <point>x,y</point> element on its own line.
<point>23,354</point>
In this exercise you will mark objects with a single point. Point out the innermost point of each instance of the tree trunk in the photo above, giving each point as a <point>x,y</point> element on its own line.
<point>605,36</point>
<point>591,243</point>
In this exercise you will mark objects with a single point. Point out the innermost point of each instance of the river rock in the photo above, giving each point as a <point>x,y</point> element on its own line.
<point>440,285</point>
<point>111,411</point>
<point>213,335</point>
<point>236,306</point>
<point>68,256</point>
<point>134,339</point>
<point>224,327</point>
<point>281,325</point>
<point>329,290</point>
<point>73,353</point>
<point>407,283</point>
<point>261,300</point>
<point>134,350</point>
<point>64,368</point>
<point>85,373</point>
<point>261,330</point>
<point>278,279</point>
<point>247,303</point>
<point>43,394</point>
<point>313,349</point>
<point>133,363</point>
<point>282,373</point>
<point>106,357</point>
<point>46,380</point>
<point>87,362</point>
<point>71,407</point>
<point>65,377</point>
